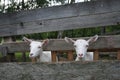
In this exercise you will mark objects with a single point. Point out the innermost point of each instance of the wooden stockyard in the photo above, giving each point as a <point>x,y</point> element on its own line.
<point>74,16</point>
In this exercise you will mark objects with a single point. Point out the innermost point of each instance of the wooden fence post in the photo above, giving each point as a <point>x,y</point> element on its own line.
<point>4,52</point>
<point>70,55</point>
<point>24,56</point>
<point>96,55</point>
<point>118,55</point>
<point>54,54</point>
<point>11,56</point>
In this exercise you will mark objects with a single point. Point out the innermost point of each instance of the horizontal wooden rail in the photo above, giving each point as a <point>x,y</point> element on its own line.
<point>74,16</point>
<point>103,44</point>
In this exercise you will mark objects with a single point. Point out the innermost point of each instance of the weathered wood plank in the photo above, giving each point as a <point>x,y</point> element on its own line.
<point>70,55</point>
<point>81,9</point>
<point>96,55</point>
<point>104,43</point>
<point>62,24</point>
<point>118,55</point>
<point>10,56</point>
<point>86,8</point>
<point>54,54</point>
<point>80,15</point>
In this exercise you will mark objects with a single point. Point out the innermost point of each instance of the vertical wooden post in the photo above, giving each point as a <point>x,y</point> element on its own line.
<point>24,56</point>
<point>103,30</point>
<point>4,52</point>
<point>54,53</point>
<point>11,56</point>
<point>118,55</point>
<point>70,55</point>
<point>96,55</point>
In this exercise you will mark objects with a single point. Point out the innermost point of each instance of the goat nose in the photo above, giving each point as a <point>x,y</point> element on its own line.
<point>80,55</point>
<point>31,54</point>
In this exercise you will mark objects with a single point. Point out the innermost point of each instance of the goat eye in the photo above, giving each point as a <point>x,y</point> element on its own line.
<point>39,46</point>
<point>87,45</point>
<point>74,45</point>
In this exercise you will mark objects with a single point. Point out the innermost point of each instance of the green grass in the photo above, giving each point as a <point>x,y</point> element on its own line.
<point>19,58</point>
<point>0,55</point>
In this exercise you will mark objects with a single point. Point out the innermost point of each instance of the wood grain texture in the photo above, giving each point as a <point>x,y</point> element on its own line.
<point>118,55</point>
<point>103,44</point>
<point>74,16</point>
<point>96,55</point>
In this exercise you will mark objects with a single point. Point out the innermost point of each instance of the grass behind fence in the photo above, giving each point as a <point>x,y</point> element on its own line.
<point>18,57</point>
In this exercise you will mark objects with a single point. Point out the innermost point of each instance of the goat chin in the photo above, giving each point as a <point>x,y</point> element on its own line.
<point>44,57</point>
<point>88,57</point>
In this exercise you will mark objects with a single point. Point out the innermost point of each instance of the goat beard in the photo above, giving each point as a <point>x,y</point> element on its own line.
<point>34,59</point>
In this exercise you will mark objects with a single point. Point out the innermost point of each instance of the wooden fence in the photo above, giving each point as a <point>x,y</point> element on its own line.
<point>80,15</point>
<point>103,44</point>
<point>73,16</point>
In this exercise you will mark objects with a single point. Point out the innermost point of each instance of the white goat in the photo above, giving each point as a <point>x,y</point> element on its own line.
<point>81,47</point>
<point>36,51</point>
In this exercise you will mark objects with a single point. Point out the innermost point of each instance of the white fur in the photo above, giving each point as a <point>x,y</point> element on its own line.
<point>45,57</point>
<point>37,52</point>
<point>89,56</point>
<point>81,47</point>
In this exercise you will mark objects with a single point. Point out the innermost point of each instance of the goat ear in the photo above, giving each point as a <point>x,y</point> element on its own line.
<point>45,42</point>
<point>69,40</point>
<point>26,39</point>
<point>93,39</point>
